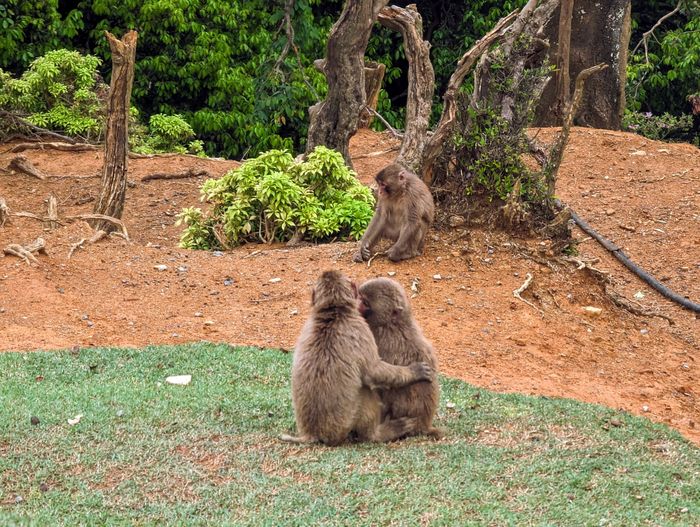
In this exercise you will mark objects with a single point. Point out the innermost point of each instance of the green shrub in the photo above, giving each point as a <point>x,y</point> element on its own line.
<point>273,197</point>
<point>165,133</point>
<point>659,127</point>
<point>60,91</point>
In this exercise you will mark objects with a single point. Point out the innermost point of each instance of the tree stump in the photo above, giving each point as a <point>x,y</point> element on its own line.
<point>114,169</point>
<point>374,75</point>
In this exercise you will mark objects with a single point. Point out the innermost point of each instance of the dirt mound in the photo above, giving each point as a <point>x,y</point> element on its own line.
<point>641,194</point>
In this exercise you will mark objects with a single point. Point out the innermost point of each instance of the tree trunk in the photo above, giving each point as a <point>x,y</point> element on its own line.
<point>374,75</point>
<point>600,32</point>
<point>113,184</point>
<point>421,81</point>
<point>334,120</point>
<point>562,78</point>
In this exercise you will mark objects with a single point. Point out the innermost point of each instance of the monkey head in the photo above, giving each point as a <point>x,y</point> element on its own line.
<point>333,289</point>
<point>391,180</point>
<point>383,302</point>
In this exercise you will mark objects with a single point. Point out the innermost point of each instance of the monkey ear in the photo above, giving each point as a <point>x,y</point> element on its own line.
<point>396,313</point>
<point>402,174</point>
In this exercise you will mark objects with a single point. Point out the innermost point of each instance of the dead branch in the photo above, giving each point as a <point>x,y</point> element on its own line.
<point>374,75</point>
<point>391,129</point>
<point>37,129</point>
<point>434,146</point>
<point>369,262</point>
<point>517,292</point>
<point>377,154</point>
<point>647,34</point>
<point>26,252</point>
<point>556,153</point>
<point>421,80</point>
<point>4,212</point>
<point>64,147</point>
<point>24,166</point>
<point>189,173</point>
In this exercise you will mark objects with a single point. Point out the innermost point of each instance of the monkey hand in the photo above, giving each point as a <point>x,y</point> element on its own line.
<point>423,371</point>
<point>362,255</point>
<point>395,254</point>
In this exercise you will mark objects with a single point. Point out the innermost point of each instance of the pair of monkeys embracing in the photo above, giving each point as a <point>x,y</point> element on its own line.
<point>341,387</point>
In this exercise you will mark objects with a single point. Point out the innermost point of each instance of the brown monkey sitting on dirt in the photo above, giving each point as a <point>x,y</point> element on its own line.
<point>404,213</point>
<point>400,341</point>
<point>337,371</point>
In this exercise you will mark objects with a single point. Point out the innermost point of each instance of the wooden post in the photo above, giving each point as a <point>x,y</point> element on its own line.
<point>113,184</point>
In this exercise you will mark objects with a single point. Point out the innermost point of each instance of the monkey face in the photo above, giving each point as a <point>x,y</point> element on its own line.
<point>382,302</point>
<point>391,180</point>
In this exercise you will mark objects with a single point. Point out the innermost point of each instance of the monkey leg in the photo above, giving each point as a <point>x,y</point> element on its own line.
<point>368,426</point>
<point>381,374</point>
<point>408,243</point>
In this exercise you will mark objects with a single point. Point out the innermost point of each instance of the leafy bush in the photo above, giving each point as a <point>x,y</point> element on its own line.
<point>166,133</point>
<point>60,91</point>
<point>659,127</point>
<point>273,197</point>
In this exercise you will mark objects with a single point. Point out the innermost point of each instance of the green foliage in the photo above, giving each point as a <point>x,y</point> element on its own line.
<point>28,29</point>
<point>659,127</point>
<point>149,453</point>
<point>166,133</point>
<point>660,80</point>
<point>58,91</point>
<point>213,63</point>
<point>272,197</point>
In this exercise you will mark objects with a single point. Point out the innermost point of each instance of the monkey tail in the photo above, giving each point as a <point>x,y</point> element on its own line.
<point>298,440</point>
<point>435,433</point>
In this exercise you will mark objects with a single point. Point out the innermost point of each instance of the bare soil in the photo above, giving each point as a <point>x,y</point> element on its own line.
<point>641,194</point>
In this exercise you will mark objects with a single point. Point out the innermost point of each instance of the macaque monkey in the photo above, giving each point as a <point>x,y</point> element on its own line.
<point>400,341</point>
<point>337,371</point>
<point>404,213</point>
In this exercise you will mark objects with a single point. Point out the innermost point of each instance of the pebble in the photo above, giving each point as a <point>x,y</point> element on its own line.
<point>450,302</point>
<point>198,314</point>
<point>645,408</point>
<point>182,269</point>
<point>228,281</point>
<point>437,277</point>
<point>592,311</point>
<point>34,420</point>
<point>391,273</point>
<point>217,253</point>
<point>610,212</point>
<point>179,380</point>
<point>644,331</point>
<point>208,322</point>
<point>160,267</point>
<point>274,280</point>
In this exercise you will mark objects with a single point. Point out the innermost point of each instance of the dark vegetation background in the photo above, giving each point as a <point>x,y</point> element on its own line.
<point>216,62</point>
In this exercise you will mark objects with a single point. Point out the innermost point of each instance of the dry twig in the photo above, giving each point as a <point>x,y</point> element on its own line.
<point>517,292</point>
<point>26,252</point>
<point>369,262</point>
<point>191,172</point>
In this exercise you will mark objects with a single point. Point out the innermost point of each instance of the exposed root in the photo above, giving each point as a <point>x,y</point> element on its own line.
<point>178,175</point>
<point>521,289</point>
<point>52,212</point>
<point>22,165</point>
<point>616,298</point>
<point>80,245</point>
<point>108,219</point>
<point>26,252</point>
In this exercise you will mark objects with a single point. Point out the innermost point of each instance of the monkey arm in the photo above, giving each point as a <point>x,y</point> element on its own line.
<point>370,237</point>
<point>380,374</point>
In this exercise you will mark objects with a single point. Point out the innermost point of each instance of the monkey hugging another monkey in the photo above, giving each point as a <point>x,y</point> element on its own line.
<point>337,373</point>
<point>404,213</point>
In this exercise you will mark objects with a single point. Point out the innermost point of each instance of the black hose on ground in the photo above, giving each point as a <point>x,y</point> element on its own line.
<point>641,273</point>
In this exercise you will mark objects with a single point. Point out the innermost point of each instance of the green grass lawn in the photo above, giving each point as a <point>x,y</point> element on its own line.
<point>146,452</point>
